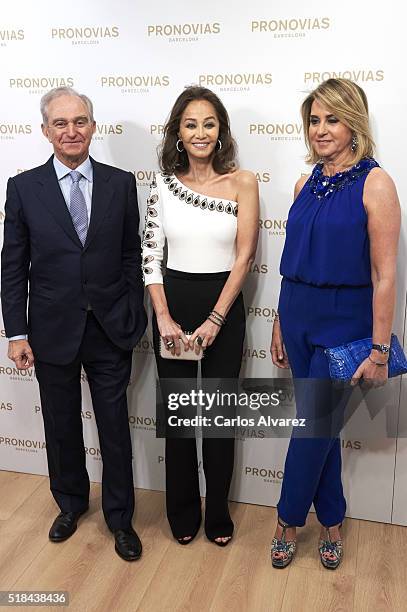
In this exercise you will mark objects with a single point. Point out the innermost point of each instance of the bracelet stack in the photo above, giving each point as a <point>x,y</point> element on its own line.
<point>216,318</point>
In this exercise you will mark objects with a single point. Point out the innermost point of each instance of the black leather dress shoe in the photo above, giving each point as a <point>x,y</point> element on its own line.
<point>64,526</point>
<point>127,544</point>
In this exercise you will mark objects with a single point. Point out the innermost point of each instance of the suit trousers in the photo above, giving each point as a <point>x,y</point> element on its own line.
<point>190,298</point>
<point>312,319</point>
<point>108,371</point>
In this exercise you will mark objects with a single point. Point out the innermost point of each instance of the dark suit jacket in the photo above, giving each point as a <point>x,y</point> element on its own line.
<point>43,260</point>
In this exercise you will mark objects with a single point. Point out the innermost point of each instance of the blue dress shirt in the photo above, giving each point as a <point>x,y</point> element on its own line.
<point>85,183</point>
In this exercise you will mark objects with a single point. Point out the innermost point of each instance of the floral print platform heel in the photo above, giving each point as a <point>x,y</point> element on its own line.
<point>282,551</point>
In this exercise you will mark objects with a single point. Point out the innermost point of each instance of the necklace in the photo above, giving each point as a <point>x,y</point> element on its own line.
<point>323,186</point>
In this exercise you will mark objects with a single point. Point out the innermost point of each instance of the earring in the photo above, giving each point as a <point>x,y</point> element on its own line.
<point>177,146</point>
<point>220,144</point>
<point>355,142</point>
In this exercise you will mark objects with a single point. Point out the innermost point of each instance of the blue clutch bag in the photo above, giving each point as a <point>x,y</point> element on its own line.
<point>344,360</point>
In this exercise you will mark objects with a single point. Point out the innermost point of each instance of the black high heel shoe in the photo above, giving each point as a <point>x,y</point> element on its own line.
<point>190,536</point>
<point>183,541</point>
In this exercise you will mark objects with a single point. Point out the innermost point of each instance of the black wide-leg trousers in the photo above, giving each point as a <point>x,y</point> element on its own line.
<point>108,371</point>
<point>190,298</point>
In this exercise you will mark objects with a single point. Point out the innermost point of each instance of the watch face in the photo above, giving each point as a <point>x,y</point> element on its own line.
<point>383,348</point>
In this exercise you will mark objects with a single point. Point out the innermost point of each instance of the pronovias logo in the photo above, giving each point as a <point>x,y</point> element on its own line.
<point>18,375</point>
<point>264,312</point>
<point>144,178</point>
<point>263,176</point>
<point>6,406</point>
<point>182,32</point>
<point>286,131</point>
<point>22,444</point>
<point>40,84</point>
<point>86,35</point>
<point>145,423</point>
<point>274,227</point>
<point>259,268</point>
<point>8,131</point>
<point>271,475</point>
<point>240,81</point>
<point>93,452</point>
<point>351,444</point>
<point>157,128</point>
<point>254,353</point>
<point>107,129</point>
<point>10,35</point>
<point>291,27</point>
<point>135,83</point>
<point>363,75</point>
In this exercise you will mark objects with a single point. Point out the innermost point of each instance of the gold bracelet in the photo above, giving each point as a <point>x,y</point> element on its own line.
<point>218,316</point>
<point>213,321</point>
<point>377,362</point>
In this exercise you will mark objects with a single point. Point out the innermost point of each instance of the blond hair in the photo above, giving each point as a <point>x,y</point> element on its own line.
<point>348,102</point>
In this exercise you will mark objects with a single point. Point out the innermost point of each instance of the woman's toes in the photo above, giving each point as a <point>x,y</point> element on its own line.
<point>225,539</point>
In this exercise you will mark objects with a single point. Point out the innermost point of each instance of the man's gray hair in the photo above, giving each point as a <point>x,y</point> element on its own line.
<point>63,91</point>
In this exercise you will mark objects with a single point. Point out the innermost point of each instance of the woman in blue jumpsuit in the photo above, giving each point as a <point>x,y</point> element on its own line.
<point>338,268</point>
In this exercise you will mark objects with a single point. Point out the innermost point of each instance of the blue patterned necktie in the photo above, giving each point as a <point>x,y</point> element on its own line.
<point>77,207</point>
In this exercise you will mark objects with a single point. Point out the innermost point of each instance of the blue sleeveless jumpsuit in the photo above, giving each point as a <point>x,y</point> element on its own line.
<point>325,300</point>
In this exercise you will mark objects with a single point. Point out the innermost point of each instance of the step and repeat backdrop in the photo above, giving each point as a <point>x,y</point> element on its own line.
<point>261,58</point>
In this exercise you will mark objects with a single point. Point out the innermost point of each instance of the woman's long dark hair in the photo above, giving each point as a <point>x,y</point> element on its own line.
<point>171,160</point>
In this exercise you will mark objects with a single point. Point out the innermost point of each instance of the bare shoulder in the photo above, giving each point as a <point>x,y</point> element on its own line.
<point>300,184</point>
<point>244,179</point>
<point>378,181</point>
<point>380,194</point>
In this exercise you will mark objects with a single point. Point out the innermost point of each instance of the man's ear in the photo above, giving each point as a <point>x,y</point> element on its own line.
<point>45,131</point>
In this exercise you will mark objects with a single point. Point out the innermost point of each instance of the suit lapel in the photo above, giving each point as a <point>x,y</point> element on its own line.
<point>50,194</point>
<point>102,195</point>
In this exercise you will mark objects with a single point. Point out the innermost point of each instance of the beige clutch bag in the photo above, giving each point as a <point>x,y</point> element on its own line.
<point>189,355</point>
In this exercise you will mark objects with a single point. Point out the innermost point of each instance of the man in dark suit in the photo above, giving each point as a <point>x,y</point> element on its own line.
<point>72,249</point>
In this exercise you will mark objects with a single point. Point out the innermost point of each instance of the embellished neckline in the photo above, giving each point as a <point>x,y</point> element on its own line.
<point>197,199</point>
<point>323,186</point>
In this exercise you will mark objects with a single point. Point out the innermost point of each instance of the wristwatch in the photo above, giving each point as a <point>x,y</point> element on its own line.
<point>382,348</point>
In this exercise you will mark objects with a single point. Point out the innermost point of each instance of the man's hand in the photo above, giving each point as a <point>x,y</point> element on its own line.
<point>20,352</point>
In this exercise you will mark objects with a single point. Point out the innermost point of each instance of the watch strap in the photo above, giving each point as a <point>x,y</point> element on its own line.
<point>382,348</point>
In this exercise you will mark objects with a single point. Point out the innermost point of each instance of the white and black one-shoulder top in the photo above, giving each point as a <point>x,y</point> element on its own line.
<point>200,230</point>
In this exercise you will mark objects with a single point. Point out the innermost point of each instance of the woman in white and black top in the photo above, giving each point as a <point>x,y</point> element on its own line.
<point>207,211</point>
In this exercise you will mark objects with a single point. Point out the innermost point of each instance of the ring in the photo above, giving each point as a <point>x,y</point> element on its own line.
<point>170,343</point>
<point>199,341</point>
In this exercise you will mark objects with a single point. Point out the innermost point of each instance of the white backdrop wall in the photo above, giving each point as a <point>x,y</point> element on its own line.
<point>133,59</point>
